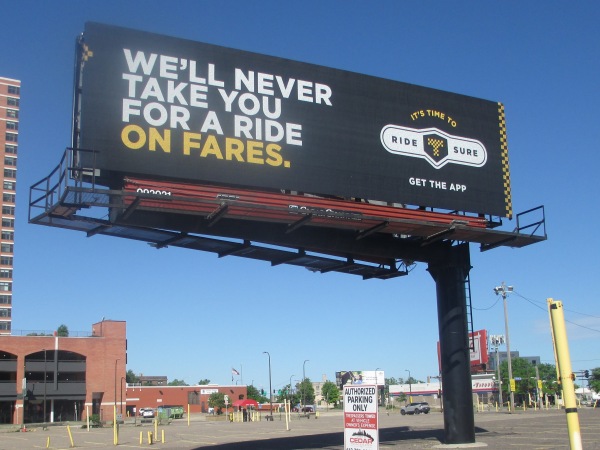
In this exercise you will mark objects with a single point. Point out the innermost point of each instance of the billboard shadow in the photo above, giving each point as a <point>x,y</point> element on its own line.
<point>387,436</point>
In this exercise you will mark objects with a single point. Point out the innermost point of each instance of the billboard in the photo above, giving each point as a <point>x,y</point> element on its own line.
<point>344,377</point>
<point>478,353</point>
<point>176,109</point>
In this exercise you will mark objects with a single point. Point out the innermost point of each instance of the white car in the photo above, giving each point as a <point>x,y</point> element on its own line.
<point>147,412</point>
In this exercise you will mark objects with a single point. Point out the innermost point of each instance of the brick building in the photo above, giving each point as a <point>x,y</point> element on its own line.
<point>67,378</point>
<point>10,94</point>
<point>64,377</point>
<point>195,396</point>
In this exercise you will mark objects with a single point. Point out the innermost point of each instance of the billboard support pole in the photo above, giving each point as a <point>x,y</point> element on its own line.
<point>450,270</point>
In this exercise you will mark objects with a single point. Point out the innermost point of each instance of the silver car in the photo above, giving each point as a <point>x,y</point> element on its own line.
<point>415,408</point>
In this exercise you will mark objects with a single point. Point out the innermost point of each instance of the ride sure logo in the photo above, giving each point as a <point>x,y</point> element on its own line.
<point>433,145</point>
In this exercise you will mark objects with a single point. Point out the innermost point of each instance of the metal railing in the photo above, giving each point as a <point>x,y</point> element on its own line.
<point>534,227</point>
<point>47,193</point>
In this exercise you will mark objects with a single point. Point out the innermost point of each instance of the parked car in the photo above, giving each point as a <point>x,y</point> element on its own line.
<point>415,408</point>
<point>147,412</point>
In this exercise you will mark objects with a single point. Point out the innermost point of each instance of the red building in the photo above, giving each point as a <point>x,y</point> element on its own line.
<point>53,379</point>
<point>195,396</point>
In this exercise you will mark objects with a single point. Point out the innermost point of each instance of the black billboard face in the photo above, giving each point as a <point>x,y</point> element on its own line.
<point>176,109</point>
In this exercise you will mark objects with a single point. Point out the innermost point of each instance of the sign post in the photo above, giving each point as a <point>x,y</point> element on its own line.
<point>361,420</point>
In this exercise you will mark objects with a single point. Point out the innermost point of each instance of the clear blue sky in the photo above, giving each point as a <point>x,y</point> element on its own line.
<point>192,315</point>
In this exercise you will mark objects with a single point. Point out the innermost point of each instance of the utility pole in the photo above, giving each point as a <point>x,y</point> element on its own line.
<point>503,291</point>
<point>303,383</point>
<point>270,389</point>
<point>496,341</point>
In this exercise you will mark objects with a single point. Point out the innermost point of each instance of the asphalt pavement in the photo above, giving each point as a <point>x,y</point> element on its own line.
<point>535,430</point>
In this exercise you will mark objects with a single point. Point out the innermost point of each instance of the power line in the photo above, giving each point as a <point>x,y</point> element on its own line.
<point>486,309</point>
<point>542,305</point>
<point>533,302</point>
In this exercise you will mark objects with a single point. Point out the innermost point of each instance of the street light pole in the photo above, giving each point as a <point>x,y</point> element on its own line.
<point>121,386</point>
<point>503,291</point>
<point>270,387</point>
<point>303,380</point>
<point>497,341</point>
<point>115,397</point>
<point>382,390</point>
<point>409,385</point>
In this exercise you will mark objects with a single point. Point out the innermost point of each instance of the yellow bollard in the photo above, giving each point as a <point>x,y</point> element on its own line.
<point>156,428</point>
<point>162,437</point>
<point>48,442</point>
<point>115,432</point>
<point>561,346</point>
<point>150,437</point>
<point>141,437</point>
<point>70,436</point>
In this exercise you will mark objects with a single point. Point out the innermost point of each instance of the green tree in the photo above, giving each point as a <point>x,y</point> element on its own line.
<point>217,401</point>
<point>255,394</point>
<point>204,381</point>
<point>131,377</point>
<point>594,379</point>
<point>287,393</point>
<point>330,392</point>
<point>307,392</point>
<point>527,384</point>
<point>177,382</point>
<point>390,382</point>
<point>62,331</point>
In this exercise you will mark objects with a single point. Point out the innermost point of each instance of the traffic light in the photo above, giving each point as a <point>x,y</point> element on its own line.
<point>586,374</point>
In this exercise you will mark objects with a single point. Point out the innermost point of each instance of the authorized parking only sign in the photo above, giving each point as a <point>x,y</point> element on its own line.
<point>361,422</point>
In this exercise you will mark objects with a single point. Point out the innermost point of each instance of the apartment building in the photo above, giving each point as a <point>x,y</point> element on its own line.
<point>10,94</point>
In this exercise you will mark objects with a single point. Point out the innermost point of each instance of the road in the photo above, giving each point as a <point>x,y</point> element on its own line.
<point>535,430</point>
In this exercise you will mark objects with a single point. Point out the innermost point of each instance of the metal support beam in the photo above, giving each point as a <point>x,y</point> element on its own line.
<point>130,209</point>
<point>298,223</point>
<point>376,228</point>
<point>173,240</point>
<point>236,250</point>
<point>288,259</point>
<point>97,230</point>
<point>343,264</point>
<point>486,247</point>
<point>438,236</point>
<point>450,270</point>
<point>217,214</point>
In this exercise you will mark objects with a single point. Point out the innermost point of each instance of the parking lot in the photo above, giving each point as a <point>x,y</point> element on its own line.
<point>539,430</point>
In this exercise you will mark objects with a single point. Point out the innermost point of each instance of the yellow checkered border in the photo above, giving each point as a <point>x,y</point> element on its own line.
<point>504,157</point>
<point>87,53</point>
